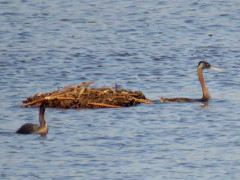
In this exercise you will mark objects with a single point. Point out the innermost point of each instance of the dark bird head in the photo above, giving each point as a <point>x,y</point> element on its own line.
<point>206,65</point>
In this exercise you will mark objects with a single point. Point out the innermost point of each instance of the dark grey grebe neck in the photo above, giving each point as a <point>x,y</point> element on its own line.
<point>43,129</point>
<point>42,120</point>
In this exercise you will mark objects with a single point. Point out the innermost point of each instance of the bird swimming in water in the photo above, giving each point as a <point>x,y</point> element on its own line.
<point>30,128</point>
<point>206,95</point>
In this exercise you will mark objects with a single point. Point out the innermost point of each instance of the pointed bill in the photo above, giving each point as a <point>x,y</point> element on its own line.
<point>216,69</point>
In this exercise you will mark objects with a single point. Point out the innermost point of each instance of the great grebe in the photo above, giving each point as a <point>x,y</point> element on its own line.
<point>30,128</point>
<point>206,95</point>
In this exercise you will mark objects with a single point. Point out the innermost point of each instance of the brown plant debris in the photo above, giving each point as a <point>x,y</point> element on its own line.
<point>81,97</point>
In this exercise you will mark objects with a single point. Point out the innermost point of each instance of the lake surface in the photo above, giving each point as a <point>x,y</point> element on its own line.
<point>152,46</point>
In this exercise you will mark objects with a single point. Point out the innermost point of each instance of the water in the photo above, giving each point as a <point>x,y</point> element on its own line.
<point>140,45</point>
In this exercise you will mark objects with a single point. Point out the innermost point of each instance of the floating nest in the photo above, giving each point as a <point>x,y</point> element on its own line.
<point>82,96</point>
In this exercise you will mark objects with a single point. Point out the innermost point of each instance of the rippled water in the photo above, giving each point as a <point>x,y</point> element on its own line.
<point>152,46</point>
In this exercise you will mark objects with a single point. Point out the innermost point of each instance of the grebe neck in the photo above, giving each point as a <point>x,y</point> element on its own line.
<point>43,124</point>
<point>206,94</point>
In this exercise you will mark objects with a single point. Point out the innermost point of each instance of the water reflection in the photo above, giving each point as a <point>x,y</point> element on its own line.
<point>204,105</point>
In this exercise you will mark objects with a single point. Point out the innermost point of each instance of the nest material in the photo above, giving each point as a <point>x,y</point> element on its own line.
<point>81,97</point>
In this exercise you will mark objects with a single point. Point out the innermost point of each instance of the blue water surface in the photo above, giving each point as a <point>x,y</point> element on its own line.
<point>151,46</point>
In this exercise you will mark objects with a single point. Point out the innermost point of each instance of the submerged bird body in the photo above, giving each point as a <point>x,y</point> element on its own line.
<point>180,100</point>
<point>30,128</point>
<point>206,95</point>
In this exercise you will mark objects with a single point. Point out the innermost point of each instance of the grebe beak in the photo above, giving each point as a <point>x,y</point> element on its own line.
<point>216,69</point>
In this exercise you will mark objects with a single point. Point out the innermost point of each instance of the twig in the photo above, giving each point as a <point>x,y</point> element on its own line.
<point>142,100</point>
<point>33,102</point>
<point>47,98</point>
<point>79,86</point>
<point>104,105</point>
<point>85,84</point>
<point>60,98</point>
<point>70,88</point>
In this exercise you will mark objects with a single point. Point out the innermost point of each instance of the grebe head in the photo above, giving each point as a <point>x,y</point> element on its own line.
<point>206,65</point>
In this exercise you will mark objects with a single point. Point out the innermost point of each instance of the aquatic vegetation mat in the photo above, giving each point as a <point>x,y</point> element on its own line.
<point>82,96</point>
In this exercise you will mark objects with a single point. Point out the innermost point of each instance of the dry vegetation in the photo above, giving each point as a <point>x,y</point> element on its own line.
<point>82,96</point>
